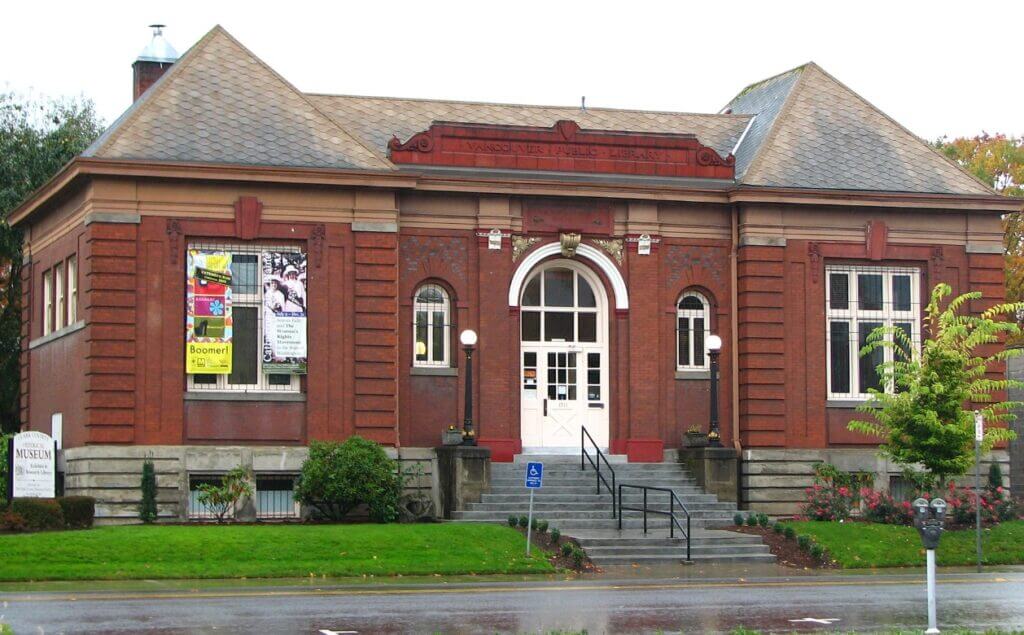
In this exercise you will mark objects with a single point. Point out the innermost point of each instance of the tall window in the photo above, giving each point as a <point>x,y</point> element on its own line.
<point>72,289</point>
<point>47,301</point>
<point>692,329</point>
<point>249,314</point>
<point>58,283</point>
<point>859,300</point>
<point>431,326</point>
<point>559,305</point>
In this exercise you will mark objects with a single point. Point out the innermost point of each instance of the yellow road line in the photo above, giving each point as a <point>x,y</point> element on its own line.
<point>477,590</point>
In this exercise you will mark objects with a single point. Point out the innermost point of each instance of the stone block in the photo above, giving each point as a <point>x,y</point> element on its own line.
<point>464,476</point>
<point>716,470</point>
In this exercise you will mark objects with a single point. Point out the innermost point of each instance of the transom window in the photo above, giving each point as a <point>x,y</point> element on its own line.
<point>255,295</point>
<point>559,305</point>
<point>692,329</point>
<point>858,300</point>
<point>431,326</point>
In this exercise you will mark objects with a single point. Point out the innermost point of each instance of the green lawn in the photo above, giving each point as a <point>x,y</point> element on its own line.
<point>862,545</point>
<point>271,551</point>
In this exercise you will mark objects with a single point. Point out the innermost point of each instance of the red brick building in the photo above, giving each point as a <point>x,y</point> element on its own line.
<point>593,251</point>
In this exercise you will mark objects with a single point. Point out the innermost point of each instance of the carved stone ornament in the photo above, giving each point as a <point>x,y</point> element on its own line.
<point>420,142</point>
<point>173,238</point>
<point>707,156</point>
<point>520,244</point>
<point>614,246</point>
<point>569,244</point>
<point>316,239</point>
<point>814,253</point>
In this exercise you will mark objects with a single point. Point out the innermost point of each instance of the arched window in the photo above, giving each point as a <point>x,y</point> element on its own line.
<point>693,325</point>
<point>431,326</point>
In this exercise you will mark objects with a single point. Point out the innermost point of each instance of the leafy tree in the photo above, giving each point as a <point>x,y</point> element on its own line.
<point>928,418</point>
<point>37,138</point>
<point>221,499</point>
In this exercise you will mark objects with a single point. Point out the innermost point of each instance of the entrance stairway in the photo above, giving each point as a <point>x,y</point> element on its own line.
<point>569,501</point>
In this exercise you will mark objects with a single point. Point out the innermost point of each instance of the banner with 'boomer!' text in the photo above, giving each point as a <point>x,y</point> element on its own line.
<point>284,312</point>
<point>208,313</point>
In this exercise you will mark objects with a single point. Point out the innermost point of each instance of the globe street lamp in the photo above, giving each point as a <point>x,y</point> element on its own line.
<point>714,348</point>
<point>468,340</point>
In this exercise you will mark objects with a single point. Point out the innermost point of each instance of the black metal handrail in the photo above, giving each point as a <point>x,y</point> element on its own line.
<point>596,464</point>
<point>673,500</point>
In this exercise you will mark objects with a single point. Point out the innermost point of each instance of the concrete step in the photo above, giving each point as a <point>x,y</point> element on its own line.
<point>591,498</point>
<point>566,457</point>
<point>678,551</point>
<point>543,507</point>
<point>717,558</point>
<point>557,513</point>
<point>632,468</point>
<point>517,484</point>
<point>572,526</point>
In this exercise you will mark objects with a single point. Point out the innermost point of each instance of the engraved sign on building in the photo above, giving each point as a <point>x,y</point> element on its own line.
<point>33,461</point>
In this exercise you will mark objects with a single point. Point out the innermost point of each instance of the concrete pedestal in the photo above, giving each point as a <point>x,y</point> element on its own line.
<point>716,470</point>
<point>464,475</point>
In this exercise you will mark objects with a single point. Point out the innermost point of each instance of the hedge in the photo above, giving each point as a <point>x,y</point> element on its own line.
<point>39,513</point>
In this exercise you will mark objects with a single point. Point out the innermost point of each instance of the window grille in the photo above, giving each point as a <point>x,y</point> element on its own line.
<point>693,327</point>
<point>858,300</point>
<point>197,510</point>
<point>248,315</point>
<point>431,326</point>
<point>275,496</point>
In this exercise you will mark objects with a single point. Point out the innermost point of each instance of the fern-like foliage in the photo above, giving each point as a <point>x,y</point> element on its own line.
<point>927,417</point>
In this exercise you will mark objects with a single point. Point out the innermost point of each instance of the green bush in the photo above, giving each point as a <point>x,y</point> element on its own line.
<point>512,521</point>
<point>39,513</point>
<point>803,541</point>
<point>3,469</point>
<point>737,519</point>
<point>556,535</point>
<point>751,520</point>
<point>221,499</point>
<point>995,476</point>
<point>817,551</point>
<point>542,526</point>
<point>338,477</point>
<point>778,528</point>
<point>524,521</point>
<point>762,519</point>
<point>9,521</point>
<point>567,549</point>
<point>577,557</point>
<point>534,523</point>
<point>147,509</point>
<point>79,511</point>
<point>789,532</point>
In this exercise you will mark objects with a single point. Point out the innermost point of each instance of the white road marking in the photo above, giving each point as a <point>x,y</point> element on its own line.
<point>817,620</point>
<point>324,631</point>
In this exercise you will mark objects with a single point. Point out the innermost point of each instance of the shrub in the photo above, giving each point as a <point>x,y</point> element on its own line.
<point>524,521</point>
<point>817,551</point>
<point>3,469</point>
<point>338,477</point>
<point>789,532</point>
<point>778,528</point>
<point>534,523</point>
<point>995,476</point>
<point>512,521</point>
<point>147,509</point>
<point>996,505</point>
<point>221,499</point>
<point>577,557</point>
<point>762,519</point>
<point>751,520</point>
<point>827,502</point>
<point>39,513</point>
<point>542,526</point>
<point>737,519</point>
<point>881,507</point>
<point>556,535</point>
<point>803,541</point>
<point>79,511</point>
<point>10,521</point>
<point>567,549</point>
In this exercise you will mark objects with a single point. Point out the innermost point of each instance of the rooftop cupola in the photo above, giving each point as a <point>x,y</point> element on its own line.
<point>152,62</point>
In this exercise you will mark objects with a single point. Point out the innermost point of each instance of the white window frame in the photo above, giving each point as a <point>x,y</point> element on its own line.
<point>60,313</point>
<point>430,308</point>
<point>254,300</point>
<point>47,301</point>
<point>855,316</point>
<point>72,268</point>
<point>690,314</point>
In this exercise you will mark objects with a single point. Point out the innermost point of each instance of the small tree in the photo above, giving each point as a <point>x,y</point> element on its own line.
<point>147,509</point>
<point>220,499</point>
<point>927,416</point>
<point>338,477</point>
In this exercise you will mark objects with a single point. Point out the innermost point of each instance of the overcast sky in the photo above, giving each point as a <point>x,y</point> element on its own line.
<point>939,68</point>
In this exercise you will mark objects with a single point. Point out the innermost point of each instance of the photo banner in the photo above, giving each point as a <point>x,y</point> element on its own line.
<point>208,313</point>
<point>284,313</point>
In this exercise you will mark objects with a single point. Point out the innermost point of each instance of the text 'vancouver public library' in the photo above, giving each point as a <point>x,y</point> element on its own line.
<point>237,268</point>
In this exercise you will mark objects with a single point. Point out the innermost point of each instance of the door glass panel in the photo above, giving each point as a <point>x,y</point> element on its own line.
<point>869,290</point>
<point>901,293</point>
<point>531,326</point>
<point>562,376</point>
<point>593,377</point>
<point>530,372</point>
<point>558,327</point>
<point>558,287</point>
<point>584,294</point>
<point>587,326</point>
<point>531,296</point>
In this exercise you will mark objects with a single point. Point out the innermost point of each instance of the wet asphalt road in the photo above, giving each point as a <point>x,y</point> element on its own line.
<point>859,603</point>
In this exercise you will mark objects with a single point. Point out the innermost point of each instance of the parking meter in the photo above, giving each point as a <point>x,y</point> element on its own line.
<point>929,519</point>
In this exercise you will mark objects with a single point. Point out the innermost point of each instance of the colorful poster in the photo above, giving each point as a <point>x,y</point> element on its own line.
<point>284,312</point>
<point>208,313</point>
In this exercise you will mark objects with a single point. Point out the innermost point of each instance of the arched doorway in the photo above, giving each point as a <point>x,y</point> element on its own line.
<point>563,357</point>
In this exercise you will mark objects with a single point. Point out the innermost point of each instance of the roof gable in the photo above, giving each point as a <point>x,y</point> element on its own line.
<point>221,104</point>
<point>763,100</point>
<point>825,136</point>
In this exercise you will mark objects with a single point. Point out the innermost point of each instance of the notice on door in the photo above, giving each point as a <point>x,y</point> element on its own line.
<point>33,466</point>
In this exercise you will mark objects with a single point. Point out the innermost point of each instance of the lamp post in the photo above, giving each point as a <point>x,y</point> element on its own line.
<point>714,348</point>
<point>468,340</point>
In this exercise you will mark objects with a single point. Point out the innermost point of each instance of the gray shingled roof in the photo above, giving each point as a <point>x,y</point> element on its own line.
<point>221,104</point>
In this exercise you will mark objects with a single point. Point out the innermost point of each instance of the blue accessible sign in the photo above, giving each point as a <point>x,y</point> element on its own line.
<point>534,475</point>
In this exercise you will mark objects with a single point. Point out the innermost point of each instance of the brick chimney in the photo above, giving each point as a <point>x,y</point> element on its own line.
<point>152,62</point>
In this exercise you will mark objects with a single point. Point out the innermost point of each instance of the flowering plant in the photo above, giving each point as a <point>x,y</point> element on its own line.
<point>881,507</point>
<point>827,503</point>
<point>996,504</point>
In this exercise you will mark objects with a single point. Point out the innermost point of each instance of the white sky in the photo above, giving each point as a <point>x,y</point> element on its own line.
<point>937,67</point>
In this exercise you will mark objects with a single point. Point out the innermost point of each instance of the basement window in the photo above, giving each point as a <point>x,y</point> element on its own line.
<point>275,496</point>
<point>197,510</point>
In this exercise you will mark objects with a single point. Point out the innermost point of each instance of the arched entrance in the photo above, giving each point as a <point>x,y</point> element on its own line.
<point>563,357</point>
